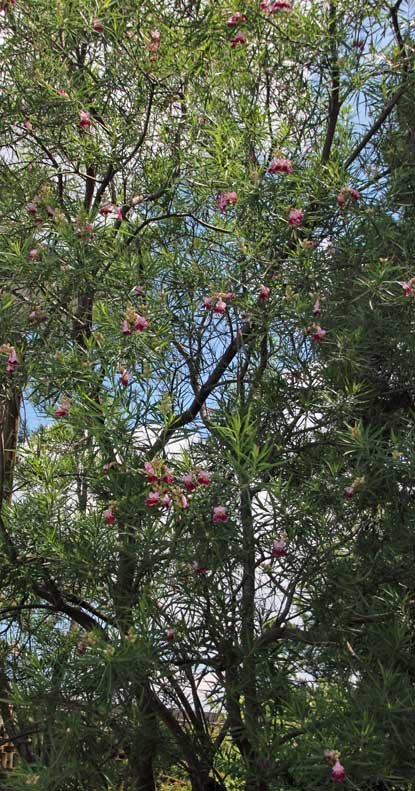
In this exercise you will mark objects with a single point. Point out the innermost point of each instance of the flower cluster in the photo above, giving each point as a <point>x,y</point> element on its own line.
<point>316,332</point>
<point>279,549</point>
<point>295,217</point>
<point>109,515</point>
<point>218,302</point>
<point>109,208</point>
<point>225,199</point>
<point>85,119</point>
<point>280,166</point>
<point>277,5</point>
<point>133,321</point>
<point>347,192</point>
<point>236,19</point>
<point>12,360</point>
<point>239,38</point>
<point>338,772</point>
<point>409,287</point>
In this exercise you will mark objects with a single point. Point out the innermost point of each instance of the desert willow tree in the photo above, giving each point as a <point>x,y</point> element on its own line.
<point>179,198</point>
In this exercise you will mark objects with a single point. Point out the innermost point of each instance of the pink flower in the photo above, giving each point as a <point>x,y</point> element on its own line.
<point>155,41</point>
<point>125,329</point>
<point>240,38</point>
<point>341,200</point>
<point>140,323</point>
<point>188,482</point>
<point>150,472</point>
<point>236,19</point>
<point>62,410</point>
<point>170,634</point>
<point>62,92</point>
<point>317,333</point>
<point>220,514</point>
<point>153,499</point>
<point>409,287</point>
<point>203,478</point>
<point>295,217</point>
<point>81,647</point>
<point>165,501</point>
<point>280,166</point>
<point>338,772</point>
<point>85,119</point>
<point>349,492</point>
<point>11,360</point>
<point>198,569</point>
<point>329,756</point>
<point>33,254</point>
<point>279,549</point>
<point>31,209</point>
<point>220,307</point>
<point>28,125</point>
<point>207,303</point>
<point>264,293</point>
<point>225,199</point>
<point>284,5</point>
<point>98,25</point>
<point>354,194</point>
<point>106,209</point>
<point>184,501</point>
<point>317,308</point>
<point>124,378</point>
<point>229,296</point>
<point>109,515</point>
<point>168,477</point>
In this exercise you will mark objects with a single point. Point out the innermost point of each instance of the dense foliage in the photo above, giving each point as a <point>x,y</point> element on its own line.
<point>207,295</point>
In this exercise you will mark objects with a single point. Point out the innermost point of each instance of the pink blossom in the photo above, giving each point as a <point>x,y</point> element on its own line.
<point>85,119</point>
<point>62,92</point>
<point>32,209</point>
<point>124,378</point>
<point>349,492</point>
<point>184,501</point>
<point>341,200</point>
<point>140,323</point>
<point>62,410</point>
<point>225,199</point>
<point>165,501</point>
<point>150,472</point>
<point>264,293</point>
<point>295,217</point>
<point>125,329</point>
<point>139,291</point>
<point>152,499</point>
<point>50,212</point>
<point>11,360</point>
<point>317,308</point>
<point>33,254</point>
<point>279,549</point>
<point>409,287</point>
<point>284,5</point>
<point>81,647</point>
<point>207,303</point>
<point>236,19</point>
<point>155,41</point>
<point>106,209</point>
<point>220,307</point>
<point>280,166</point>
<point>220,514</point>
<point>338,772</point>
<point>28,125</point>
<point>170,634</point>
<point>317,333</point>
<point>354,194</point>
<point>106,467</point>
<point>168,477</point>
<point>109,515</point>
<point>188,482</point>
<point>229,296</point>
<point>98,25</point>
<point>329,756</point>
<point>240,38</point>
<point>203,478</point>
